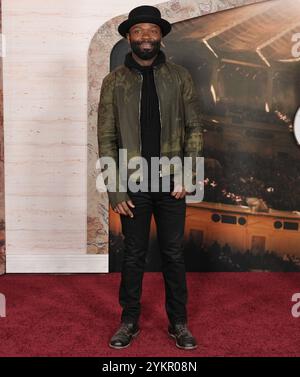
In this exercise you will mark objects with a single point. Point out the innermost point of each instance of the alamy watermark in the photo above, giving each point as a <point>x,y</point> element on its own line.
<point>188,173</point>
<point>296,45</point>
<point>297,126</point>
<point>296,307</point>
<point>2,305</point>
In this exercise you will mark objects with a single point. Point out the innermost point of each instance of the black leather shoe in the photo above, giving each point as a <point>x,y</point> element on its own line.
<point>183,336</point>
<point>123,336</point>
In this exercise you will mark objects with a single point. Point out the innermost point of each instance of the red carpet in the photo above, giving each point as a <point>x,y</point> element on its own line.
<point>231,314</point>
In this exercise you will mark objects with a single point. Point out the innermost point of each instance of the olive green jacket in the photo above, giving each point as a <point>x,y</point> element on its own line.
<point>119,117</point>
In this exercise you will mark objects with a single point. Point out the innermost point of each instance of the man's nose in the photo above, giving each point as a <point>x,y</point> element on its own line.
<point>145,34</point>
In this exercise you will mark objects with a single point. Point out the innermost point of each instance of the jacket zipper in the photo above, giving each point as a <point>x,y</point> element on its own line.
<point>154,70</point>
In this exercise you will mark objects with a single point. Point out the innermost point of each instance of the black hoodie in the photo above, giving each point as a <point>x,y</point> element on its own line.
<point>150,115</point>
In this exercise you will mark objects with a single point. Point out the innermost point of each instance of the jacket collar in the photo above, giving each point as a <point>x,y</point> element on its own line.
<point>131,63</point>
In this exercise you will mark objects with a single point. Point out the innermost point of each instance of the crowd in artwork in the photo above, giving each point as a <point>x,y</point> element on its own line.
<point>236,176</point>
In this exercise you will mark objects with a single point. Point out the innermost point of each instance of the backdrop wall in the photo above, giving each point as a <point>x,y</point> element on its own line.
<point>57,56</point>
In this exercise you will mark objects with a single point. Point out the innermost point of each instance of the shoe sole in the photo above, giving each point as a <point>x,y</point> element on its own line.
<point>183,348</point>
<point>122,347</point>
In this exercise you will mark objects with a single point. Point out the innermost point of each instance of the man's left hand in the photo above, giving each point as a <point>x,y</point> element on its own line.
<point>179,192</point>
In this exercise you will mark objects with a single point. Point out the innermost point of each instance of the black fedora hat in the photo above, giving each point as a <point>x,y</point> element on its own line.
<point>144,13</point>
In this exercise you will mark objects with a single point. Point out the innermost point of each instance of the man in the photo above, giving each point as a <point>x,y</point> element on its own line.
<point>149,107</point>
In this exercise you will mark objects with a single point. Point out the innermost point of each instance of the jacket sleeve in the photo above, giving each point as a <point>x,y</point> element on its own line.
<point>108,136</point>
<point>193,135</point>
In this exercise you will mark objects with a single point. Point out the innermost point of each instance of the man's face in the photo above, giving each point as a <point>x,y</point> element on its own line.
<point>145,40</point>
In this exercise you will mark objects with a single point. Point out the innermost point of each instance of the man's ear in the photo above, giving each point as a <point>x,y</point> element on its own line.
<point>128,38</point>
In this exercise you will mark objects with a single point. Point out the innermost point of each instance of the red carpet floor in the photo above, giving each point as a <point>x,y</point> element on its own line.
<point>231,314</point>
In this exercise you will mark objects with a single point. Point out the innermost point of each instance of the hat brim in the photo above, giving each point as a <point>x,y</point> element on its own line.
<point>126,25</point>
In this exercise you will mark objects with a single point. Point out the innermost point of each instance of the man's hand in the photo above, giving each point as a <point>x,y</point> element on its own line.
<point>179,192</point>
<point>123,208</point>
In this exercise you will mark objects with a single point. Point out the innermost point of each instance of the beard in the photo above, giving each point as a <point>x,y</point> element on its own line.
<point>145,53</point>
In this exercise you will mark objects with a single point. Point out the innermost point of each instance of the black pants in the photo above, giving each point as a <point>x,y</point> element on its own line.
<point>169,214</point>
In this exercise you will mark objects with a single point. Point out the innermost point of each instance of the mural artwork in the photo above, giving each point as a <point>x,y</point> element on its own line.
<point>248,82</point>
